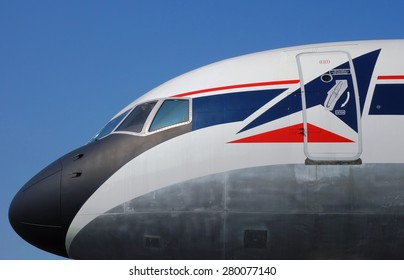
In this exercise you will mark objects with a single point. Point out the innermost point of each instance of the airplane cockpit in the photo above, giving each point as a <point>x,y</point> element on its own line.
<point>148,118</point>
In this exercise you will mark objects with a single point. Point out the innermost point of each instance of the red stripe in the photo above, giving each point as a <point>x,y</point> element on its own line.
<point>262,84</point>
<point>391,77</point>
<point>294,134</point>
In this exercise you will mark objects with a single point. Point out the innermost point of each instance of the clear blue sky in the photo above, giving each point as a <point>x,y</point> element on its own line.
<point>66,67</point>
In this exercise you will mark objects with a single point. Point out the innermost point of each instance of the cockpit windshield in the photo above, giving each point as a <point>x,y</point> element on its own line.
<point>109,127</point>
<point>170,113</point>
<point>137,118</point>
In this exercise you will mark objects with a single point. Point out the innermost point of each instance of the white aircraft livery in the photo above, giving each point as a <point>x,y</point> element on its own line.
<point>296,153</point>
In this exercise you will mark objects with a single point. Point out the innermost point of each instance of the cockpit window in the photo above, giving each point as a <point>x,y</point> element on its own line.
<point>171,112</point>
<point>109,127</point>
<point>137,118</point>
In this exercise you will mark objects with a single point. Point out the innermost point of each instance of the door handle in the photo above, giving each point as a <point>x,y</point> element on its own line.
<point>335,93</point>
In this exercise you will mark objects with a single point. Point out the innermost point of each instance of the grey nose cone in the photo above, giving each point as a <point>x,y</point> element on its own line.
<point>35,212</point>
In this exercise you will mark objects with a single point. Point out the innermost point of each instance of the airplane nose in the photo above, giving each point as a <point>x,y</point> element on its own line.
<point>35,212</point>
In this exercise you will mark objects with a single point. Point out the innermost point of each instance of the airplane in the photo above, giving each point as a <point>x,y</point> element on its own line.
<point>294,153</point>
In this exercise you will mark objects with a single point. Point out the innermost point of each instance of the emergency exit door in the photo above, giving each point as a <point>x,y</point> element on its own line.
<point>330,105</point>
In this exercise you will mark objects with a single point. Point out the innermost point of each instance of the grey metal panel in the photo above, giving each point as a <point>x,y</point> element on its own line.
<point>201,194</point>
<point>378,188</point>
<point>307,212</point>
<point>117,236</point>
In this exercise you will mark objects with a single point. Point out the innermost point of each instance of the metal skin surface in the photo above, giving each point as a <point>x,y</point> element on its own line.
<point>287,154</point>
<point>306,212</point>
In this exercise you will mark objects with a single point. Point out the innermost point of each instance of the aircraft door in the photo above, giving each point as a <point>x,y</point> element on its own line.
<point>330,104</point>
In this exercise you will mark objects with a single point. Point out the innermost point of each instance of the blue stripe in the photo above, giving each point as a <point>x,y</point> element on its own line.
<point>226,108</point>
<point>388,100</point>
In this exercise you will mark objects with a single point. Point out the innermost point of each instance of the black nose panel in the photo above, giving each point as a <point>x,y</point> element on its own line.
<point>35,210</point>
<point>44,208</point>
